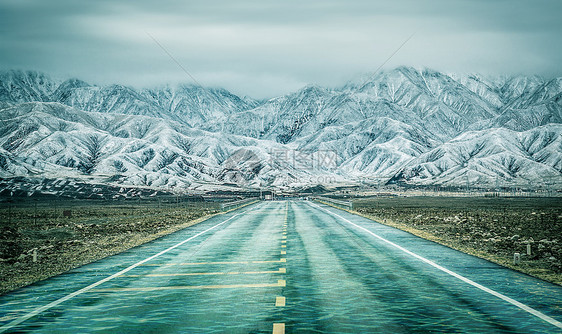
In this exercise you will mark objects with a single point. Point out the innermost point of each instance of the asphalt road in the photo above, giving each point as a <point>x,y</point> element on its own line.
<point>287,266</point>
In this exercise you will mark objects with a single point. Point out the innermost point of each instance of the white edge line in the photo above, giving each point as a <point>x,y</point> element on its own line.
<point>91,286</point>
<point>522,306</point>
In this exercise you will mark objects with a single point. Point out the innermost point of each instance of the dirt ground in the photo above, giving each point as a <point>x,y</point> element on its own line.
<point>491,228</point>
<point>68,234</point>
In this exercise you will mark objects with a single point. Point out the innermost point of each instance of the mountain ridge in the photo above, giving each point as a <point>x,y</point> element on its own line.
<point>415,126</point>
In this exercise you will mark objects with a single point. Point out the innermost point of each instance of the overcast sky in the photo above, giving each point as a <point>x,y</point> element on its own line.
<point>268,48</point>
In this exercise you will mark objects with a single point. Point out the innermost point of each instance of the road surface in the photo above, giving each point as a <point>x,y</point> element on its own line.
<point>287,266</point>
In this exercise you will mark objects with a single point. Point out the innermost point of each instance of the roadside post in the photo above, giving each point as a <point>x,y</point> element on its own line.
<point>516,258</point>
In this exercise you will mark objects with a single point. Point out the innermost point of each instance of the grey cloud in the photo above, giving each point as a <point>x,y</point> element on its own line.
<point>266,48</point>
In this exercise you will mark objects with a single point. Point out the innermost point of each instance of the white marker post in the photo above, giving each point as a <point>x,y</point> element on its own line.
<point>516,258</point>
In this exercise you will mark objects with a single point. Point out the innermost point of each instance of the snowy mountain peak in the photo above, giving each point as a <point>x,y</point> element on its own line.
<point>416,126</point>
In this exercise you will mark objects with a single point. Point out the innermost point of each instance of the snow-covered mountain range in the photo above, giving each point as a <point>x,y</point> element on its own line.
<point>404,125</point>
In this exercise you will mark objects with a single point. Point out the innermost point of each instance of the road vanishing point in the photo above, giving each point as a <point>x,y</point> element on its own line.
<point>286,267</point>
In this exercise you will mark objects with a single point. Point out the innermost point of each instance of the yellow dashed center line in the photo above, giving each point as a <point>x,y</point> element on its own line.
<point>279,328</point>
<point>280,301</point>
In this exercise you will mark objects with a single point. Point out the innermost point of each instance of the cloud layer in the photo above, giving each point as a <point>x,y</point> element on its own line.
<point>267,48</point>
